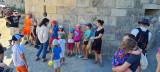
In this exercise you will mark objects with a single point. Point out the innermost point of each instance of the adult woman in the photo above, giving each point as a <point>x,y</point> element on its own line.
<point>42,32</point>
<point>98,41</point>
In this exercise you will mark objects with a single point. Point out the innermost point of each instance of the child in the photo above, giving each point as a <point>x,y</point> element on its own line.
<point>127,47</point>
<point>53,33</point>
<point>26,29</point>
<point>87,35</point>
<point>62,43</point>
<point>56,55</point>
<point>77,39</point>
<point>33,34</point>
<point>70,42</point>
<point>60,31</point>
<point>19,59</point>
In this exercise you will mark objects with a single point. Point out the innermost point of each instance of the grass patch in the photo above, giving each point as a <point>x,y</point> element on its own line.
<point>21,11</point>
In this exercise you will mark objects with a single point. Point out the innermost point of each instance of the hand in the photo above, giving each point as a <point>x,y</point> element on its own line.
<point>52,32</point>
<point>158,57</point>
<point>34,36</point>
<point>84,40</point>
<point>12,68</point>
<point>9,22</point>
<point>91,38</point>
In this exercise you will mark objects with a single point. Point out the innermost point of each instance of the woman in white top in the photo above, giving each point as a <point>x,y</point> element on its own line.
<point>42,32</point>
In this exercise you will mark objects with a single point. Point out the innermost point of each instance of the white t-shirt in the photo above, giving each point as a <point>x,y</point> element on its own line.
<point>62,43</point>
<point>136,31</point>
<point>17,51</point>
<point>70,38</point>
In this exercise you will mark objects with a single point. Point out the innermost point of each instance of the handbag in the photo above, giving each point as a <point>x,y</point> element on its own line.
<point>143,61</point>
<point>89,47</point>
<point>7,25</point>
<point>37,41</point>
<point>94,34</point>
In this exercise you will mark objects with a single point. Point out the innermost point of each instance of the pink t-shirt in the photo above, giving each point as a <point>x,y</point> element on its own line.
<point>77,35</point>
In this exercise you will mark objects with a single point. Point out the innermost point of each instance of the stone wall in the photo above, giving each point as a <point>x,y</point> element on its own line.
<point>120,16</point>
<point>15,3</point>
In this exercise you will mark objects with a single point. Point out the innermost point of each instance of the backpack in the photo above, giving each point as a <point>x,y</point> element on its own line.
<point>142,39</point>
<point>119,58</point>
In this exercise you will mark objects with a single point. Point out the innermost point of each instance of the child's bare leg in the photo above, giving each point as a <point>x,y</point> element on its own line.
<point>63,59</point>
<point>68,52</point>
<point>34,43</point>
<point>27,38</point>
<point>128,70</point>
<point>31,40</point>
<point>55,69</point>
<point>58,69</point>
<point>71,52</point>
<point>86,54</point>
<point>48,47</point>
<point>83,49</point>
<point>75,47</point>
<point>78,44</point>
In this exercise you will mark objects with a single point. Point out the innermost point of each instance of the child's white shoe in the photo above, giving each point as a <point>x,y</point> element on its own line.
<point>79,56</point>
<point>76,56</point>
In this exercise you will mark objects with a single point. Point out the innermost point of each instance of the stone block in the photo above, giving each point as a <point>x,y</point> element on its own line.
<point>118,12</point>
<point>39,8</point>
<point>69,2</point>
<point>83,19</point>
<point>33,8</point>
<point>125,21</point>
<point>109,36</point>
<point>104,11</point>
<point>57,17</point>
<point>51,9</point>
<point>62,10</point>
<point>70,19</point>
<point>96,3</point>
<point>151,6</point>
<point>111,21</point>
<point>57,2</point>
<point>125,4</point>
<point>83,3</point>
<point>90,11</point>
<point>76,11</point>
<point>109,3</point>
<point>145,1</point>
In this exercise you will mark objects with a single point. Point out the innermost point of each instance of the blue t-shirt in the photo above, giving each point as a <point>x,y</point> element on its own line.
<point>88,34</point>
<point>134,60</point>
<point>55,29</point>
<point>56,51</point>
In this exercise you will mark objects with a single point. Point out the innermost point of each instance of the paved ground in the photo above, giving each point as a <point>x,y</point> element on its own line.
<point>72,64</point>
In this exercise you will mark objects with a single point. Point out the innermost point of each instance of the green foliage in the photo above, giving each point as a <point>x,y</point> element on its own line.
<point>21,11</point>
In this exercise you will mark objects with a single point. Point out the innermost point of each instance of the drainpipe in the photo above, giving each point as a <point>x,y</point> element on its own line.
<point>44,9</point>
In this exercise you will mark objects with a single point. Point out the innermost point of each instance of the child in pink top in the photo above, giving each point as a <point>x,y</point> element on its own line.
<point>77,39</point>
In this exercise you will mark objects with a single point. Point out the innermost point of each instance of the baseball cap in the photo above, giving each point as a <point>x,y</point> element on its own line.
<point>16,37</point>
<point>55,42</point>
<point>35,20</point>
<point>89,24</point>
<point>2,49</point>
<point>54,21</point>
<point>61,26</point>
<point>15,11</point>
<point>71,29</point>
<point>62,35</point>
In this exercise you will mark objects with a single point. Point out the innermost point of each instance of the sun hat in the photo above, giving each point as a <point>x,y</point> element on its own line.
<point>15,11</point>
<point>78,25</point>
<point>62,35</point>
<point>55,42</point>
<point>35,20</point>
<point>54,21</point>
<point>145,22</point>
<point>71,29</point>
<point>16,37</point>
<point>61,26</point>
<point>89,24</point>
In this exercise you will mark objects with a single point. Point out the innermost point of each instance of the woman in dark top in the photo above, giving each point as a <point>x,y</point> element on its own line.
<point>98,41</point>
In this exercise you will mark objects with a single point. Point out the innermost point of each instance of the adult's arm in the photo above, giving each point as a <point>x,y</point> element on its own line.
<point>23,15</point>
<point>7,20</point>
<point>158,61</point>
<point>97,37</point>
<point>122,68</point>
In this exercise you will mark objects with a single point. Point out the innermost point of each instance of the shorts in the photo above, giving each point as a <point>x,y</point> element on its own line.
<point>21,68</point>
<point>14,30</point>
<point>77,40</point>
<point>25,31</point>
<point>62,54</point>
<point>51,39</point>
<point>70,46</point>
<point>86,43</point>
<point>56,63</point>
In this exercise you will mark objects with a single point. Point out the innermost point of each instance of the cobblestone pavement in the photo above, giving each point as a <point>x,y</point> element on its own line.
<point>72,64</point>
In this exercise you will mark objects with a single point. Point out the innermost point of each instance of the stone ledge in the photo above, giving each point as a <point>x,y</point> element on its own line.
<point>118,12</point>
<point>125,4</point>
<point>151,6</point>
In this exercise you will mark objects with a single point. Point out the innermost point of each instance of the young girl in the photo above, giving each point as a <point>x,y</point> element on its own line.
<point>127,47</point>
<point>70,42</point>
<point>62,43</point>
<point>60,30</point>
<point>56,55</point>
<point>33,34</point>
<point>77,39</point>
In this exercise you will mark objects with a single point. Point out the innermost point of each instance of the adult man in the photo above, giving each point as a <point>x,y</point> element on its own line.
<point>13,20</point>
<point>3,66</point>
<point>133,60</point>
<point>143,36</point>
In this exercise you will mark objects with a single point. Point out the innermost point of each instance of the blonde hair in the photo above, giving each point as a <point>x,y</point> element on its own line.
<point>128,45</point>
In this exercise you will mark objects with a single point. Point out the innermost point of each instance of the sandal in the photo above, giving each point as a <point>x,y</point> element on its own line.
<point>94,62</point>
<point>101,65</point>
<point>37,58</point>
<point>84,58</point>
<point>44,60</point>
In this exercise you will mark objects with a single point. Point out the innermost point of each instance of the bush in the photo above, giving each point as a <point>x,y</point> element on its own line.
<point>21,11</point>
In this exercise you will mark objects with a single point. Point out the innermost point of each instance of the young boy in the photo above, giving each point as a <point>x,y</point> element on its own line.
<point>87,35</point>
<point>26,29</point>
<point>62,43</point>
<point>70,42</point>
<point>53,33</point>
<point>33,34</point>
<point>19,59</point>
<point>56,55</point>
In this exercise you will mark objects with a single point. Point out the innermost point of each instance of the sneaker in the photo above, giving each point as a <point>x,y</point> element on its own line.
<point>79,56</point>
<point>37,47</point>
<point>76,56</point>
<point>26,43</point>
<point>31,44</point>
